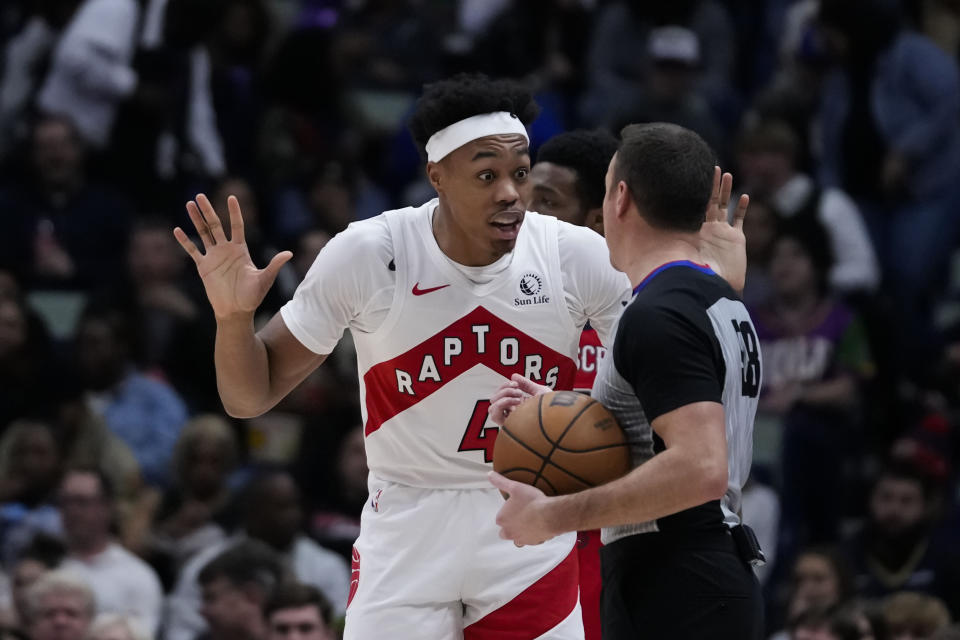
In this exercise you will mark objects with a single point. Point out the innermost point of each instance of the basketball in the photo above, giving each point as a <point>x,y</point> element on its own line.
<point>561,442</point>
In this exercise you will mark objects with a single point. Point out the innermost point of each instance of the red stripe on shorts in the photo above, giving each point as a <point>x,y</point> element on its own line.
<point>539,608</point>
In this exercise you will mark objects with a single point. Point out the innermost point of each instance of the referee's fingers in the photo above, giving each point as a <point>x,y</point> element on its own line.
<point>741,211</point>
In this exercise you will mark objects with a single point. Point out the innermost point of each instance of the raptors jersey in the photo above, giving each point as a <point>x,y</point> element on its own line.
<point>435,339</point>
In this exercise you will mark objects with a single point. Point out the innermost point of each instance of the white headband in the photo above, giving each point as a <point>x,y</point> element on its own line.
<point>460,133</point>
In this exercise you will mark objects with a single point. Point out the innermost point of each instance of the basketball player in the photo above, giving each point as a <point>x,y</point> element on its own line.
<point>444,301</point>
<point>567,182</point>
<point>682,378</point>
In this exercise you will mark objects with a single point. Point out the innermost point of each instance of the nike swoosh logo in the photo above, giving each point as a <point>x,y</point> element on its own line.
<point>417,291</point>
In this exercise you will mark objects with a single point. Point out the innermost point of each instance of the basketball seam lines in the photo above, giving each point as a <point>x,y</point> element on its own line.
<point>546,461</point>
<point>554,445</point>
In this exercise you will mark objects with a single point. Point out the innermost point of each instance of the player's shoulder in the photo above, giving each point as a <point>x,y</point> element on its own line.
<point>579,244</point>
<point>373,236</point>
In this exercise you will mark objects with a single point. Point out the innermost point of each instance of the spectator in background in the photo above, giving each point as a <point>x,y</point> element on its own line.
<point>91,72</point>
<point>30,470</point>
<point>25,358</point>
<point>236,584</point>
<point>122,582</point>
<point>110,626</point>
<point>767,155</point>
<point>60,228</point>
<point>914,616</point>
<point>42,555</point>
<point>25,57</point>
<point>297,611</point>
<point>272,515</point>
<point>670,93</point>
<point>815,357</point>
<point>143,412</point>
<point>947,633</point>
<point>61,607</point>
<point>195,512</point>
<point>846,622</point>
<point>619,63</point>
<point>889,135</point>
<point>895,550</point>
<point>760,230</point>
<point>83,437</point>
<point>820,580</point>
<point>335,523</point>
<point>163,306</point>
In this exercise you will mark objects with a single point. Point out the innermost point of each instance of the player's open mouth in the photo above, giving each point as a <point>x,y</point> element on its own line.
<point>507,225</point>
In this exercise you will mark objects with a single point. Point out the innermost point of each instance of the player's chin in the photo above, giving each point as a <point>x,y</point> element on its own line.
<point>501,246</point>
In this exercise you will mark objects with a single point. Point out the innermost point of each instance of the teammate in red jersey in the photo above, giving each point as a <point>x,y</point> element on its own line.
<point>567,181</point>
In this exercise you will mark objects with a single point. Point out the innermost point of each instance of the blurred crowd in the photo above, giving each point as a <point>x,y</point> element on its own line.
<point>131,507</point>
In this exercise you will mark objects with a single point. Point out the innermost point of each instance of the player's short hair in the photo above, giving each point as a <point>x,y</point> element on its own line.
<point>293,595</point>
<point>247,562</point>
<point>466,95</point>
<point>586,152</point>
<point>669,172</point>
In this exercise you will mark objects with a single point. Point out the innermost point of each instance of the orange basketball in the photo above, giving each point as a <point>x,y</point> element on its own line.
<point>561,442</point>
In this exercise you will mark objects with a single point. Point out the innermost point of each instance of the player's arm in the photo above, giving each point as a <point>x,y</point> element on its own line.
<point>254,371</point>
<point>257,370</point>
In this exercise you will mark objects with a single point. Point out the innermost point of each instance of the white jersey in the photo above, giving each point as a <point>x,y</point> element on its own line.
<point>435,339</point>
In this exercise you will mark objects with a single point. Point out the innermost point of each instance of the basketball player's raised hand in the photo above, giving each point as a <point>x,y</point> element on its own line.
<point>232,282</point>
<point>510,395</point>
<point>722,243</point>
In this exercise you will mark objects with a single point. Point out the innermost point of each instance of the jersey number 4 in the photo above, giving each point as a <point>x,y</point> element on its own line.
<point>749,358</point>
<point>477,437</point>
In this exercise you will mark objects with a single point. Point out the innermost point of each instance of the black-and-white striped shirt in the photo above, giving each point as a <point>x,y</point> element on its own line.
<point>685,337</point>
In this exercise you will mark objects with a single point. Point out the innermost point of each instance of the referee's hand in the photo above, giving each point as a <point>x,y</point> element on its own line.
<point>523,517</point>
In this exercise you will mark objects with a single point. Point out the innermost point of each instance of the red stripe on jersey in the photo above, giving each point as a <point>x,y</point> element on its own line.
<point>588,552</point>
<point>539,608</point>
<point>477,338</point>
<point>591,352</point>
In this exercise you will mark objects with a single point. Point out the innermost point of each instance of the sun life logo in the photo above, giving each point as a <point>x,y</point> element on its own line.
<point>531,284</point>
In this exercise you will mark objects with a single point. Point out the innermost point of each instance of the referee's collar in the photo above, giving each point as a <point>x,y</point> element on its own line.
<point>702,268</point>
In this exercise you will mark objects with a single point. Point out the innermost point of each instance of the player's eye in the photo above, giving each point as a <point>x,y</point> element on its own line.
<point>522,173</point>
<point>486,176</point>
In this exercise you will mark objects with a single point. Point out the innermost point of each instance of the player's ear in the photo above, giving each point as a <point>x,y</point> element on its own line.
<point>435,176</point>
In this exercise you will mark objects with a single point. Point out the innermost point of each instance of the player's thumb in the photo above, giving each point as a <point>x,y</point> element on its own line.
<point>526,385</point>
<point>276,264</point>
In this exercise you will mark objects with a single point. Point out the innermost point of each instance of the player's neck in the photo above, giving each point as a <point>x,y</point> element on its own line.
<point>656,249</point>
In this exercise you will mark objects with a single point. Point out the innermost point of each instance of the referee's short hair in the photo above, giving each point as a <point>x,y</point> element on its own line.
<point>669,172</point>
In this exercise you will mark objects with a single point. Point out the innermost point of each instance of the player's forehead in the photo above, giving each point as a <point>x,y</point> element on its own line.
<point>547,176</point>
<point>507,146</point>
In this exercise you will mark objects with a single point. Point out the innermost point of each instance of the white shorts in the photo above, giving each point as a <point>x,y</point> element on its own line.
<point>430,565</point>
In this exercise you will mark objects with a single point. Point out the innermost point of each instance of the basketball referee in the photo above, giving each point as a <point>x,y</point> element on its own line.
<point>682,378</point>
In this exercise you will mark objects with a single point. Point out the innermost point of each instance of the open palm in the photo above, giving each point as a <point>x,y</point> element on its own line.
<point>722,243</point>
<point>232,282</point>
